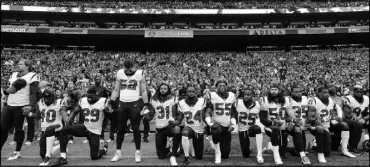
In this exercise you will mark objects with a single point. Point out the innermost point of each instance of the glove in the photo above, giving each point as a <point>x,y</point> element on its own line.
<point>27,111</point>
<point>112,104</point>
<point>171,122</point>
<point>19,84</point>
<point>231,127</point>
<point>215,125</point>
<point>145,111</point>
<point>5,92</point>
<point>277,122</point>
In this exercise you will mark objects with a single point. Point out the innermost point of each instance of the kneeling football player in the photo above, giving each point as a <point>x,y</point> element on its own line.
<point>164,108</point>
<point>246,112</point>
<point>93,109</point>
<point>192,109</point>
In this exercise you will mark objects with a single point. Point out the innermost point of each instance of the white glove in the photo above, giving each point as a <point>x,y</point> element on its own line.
<point>144,111</point>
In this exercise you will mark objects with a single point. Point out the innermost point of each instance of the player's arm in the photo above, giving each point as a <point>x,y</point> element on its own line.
<point>150,115</point>
<point>115,92</point>
<point>34,88</point>
<point>208,112</point>
<point>290,111</point>
<point>63,112</point>
<point>264,114</point>
<point>339,111</point>
<point>143,90</point>
<point>33,112</point>
<point>180,115</point>
<point>73,114</point>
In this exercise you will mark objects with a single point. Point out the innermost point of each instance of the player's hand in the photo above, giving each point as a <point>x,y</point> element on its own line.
<point>112,104</point>
<point>171,122</point>
<point>361,121</point>
<point>144,111</point>
<point>19,84</point>
<point>312,127</point>
<point>277,122</point>
<point>232,127</point>
<point>215,125</point>
<point>27,111</point>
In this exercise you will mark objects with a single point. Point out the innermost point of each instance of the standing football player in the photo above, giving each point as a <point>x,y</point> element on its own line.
<point>164,108</point>
<point>93,109</point>
<point>130,83</point>
<point>274,109</point>
<point>51,112</point>
<point>192,109</point>
<point>246,112</point>
<point>330,115</point>
<point>22,95</point>
<point>359,104</point>
<point>219,109</point>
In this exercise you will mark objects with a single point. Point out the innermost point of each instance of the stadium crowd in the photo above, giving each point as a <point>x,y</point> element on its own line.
<point>342,67</point>
<point>192,4</point>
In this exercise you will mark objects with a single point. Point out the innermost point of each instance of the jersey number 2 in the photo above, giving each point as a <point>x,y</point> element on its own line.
<point>93,113</point>
<point>130,85</point>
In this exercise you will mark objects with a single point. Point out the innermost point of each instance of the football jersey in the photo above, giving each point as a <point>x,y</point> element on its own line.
<point>94,114</point>
<point>247,117</point>
<point>130,85</point>
<point>51,115</point>
<point>163,111</point>
<point>325,110</point>
<point>193,114</point>
<point>222,108</point>
<point>300,109</point>
<point>356,107</point>
<point>22,96</point>
<point>276,111</point>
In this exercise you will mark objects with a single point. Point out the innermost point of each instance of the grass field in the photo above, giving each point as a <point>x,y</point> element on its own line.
<point>78,155</point>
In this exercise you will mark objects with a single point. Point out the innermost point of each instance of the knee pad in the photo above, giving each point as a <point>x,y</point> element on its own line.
<point>176,130</point>
<point>49,131</point>
<point>185,133</point>
<point>343,126</point>
<point>256,129</point>
<point>320,129</point>
<point>297,129</point>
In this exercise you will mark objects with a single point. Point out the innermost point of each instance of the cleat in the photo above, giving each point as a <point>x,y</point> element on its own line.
<point>278,161</point>
<point>321,158</point>
<point>105,148</point>
<point>305,161</point>
<point>137,157</point>
<point>16,155</point>
<point>61,161</point>
<point>348,154</point>
<point>260,159</point>
<point>173,161</point>
<point>146,140</point>
<point>186,161</point>
<point>28,143</point>
<point>109,141</point>
<point>101,141</point>
<point>117,157</point>
<point>353,150</point>
<point>70,142</point>
<point>45,162</point>
<point>85,141</point>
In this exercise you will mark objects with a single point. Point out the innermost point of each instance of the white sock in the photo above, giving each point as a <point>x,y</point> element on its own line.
<point>49,145</point>
<point>302,154</point>
<point>185,145</point>
<point>211,142</point>
<point>275,150</point>
<point>345,138</point>
<point>217,148</point>
<point>64,155</point>
<point>17,152</point>
<point>191,146</point>
<point>259,140</point>
<point>118,151</point>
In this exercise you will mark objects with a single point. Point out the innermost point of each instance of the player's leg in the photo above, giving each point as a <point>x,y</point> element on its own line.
<point>274,133</point>
<point>18,118</point>
<point>187,133</point>
<point>121,122</point>
<point>42,145</point>
<point>7,120</point>
<point>304,140</point>
<point>344,128</point>
<point>30,130</point>
<point>283,146</point>
<point>113,126</point>
<point>94,142</point>
<point>78,130</point>
<point>175,132</point>
<point>256,131</point>
<point>225,143</point>
<point>296,132</point>
<point>198,143</point>
<point>146,130</point>
<point>327,143</point>
<point>160,143</point>
<point>335,136</point>
<point>49,138</point>
<point>104,125</point>
<point>355,133</point>
<point>216,137</point>
<point>244,143</point>
<point>319,133</point>
<point>135,119</point>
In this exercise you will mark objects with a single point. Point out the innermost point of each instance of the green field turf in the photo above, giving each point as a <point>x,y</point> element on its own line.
<point>78,155</point>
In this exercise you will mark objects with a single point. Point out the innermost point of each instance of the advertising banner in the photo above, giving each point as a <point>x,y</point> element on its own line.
<point>18,29</point>
<point>267,32</point>
<point>169,34</point>
<point>358,29</point>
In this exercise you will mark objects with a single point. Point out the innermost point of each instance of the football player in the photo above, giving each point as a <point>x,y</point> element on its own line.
<point>359,104</point>
<point>330,115</point>
<point>51,112</point>
<point>219,109</point>
<point>164,109</point>
<point>93,109</point>
<point>130,83</point>
<point>192,109</point>
<point>274,109</point>
<point>246,112</point>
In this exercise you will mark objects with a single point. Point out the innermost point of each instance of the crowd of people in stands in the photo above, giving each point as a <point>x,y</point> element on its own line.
<point>192,4</point>
<point>258,68</point>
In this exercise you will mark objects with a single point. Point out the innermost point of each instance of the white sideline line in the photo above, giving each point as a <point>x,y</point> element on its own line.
<point>70,157</point>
